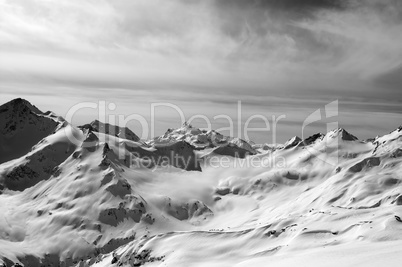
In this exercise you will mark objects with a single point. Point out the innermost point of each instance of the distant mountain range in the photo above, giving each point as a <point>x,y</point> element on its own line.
<point>97,195</point>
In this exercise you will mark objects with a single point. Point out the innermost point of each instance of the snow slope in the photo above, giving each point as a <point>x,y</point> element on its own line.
<point>22,125</point>
<point>201,139</point>
<point>330,200</point>
<point>121,132</point>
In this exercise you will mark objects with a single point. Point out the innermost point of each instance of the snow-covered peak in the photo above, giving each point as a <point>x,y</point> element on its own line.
<point>395,134</point>
<point>22,125</point>
<point>109,129</point>
<point>201,139</point>
<point>184,131</point>
<point>341,134</point>
<point>390,143</point>
<point>312,139</point>
<point>330,138</point>
<point>190,134</point>
<point>242,144</point>
<point>292,142</point>
<point>67,204</point>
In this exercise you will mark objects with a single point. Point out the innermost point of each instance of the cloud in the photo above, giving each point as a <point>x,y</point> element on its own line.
<point>391,79</point>
<point>287,9</point>
<point>275,56</point>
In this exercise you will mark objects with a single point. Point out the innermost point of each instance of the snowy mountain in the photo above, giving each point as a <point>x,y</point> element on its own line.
<point>201,139</point>
<point>122,133</point>
<point>107,198</point>
<point>22,125</point>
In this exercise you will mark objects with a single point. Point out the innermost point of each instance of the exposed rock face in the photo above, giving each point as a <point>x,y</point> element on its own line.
<point>342,134</point>
<point>86,207</point>
<point>131,207</point>
<point>366,163</point>
<point>106,128</point>
<point>22,125</point>
<point>179,154</point>
<point>114,216</point>
<point>37,167</point>
<point>311,139</point>
<point>232,150</point>
<point>192,210</point>
<point>176,147</point>
<point>292,142</point>
<point>201,139</point>
<point>198,140</point>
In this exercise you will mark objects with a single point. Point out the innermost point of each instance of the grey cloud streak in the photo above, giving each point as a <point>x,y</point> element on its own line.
<point>272,55</point>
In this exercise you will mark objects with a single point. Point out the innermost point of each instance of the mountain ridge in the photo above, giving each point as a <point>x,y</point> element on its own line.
<point>103,200</point>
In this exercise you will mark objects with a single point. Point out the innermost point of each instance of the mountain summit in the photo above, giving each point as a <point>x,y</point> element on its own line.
<point>22,125</point>
<point>109,199</point>
<point>342,134</point>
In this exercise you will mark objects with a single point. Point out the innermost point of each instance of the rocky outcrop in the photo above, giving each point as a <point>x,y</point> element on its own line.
<point>22,125</point>
<point>113,130</point>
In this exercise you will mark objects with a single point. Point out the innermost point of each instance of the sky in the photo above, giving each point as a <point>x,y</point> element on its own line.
<point>280,58</point>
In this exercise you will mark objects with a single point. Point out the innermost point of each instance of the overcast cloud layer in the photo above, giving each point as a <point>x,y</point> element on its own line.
<point>277,56</point>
